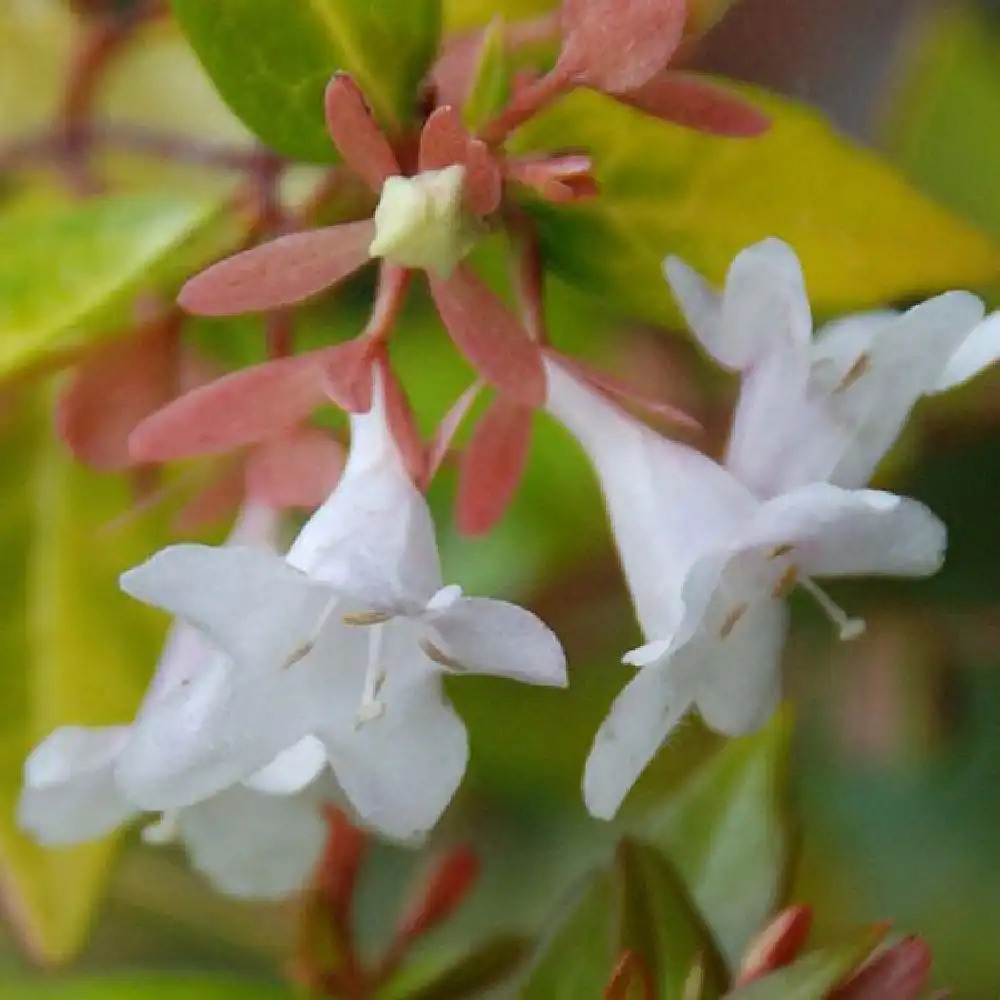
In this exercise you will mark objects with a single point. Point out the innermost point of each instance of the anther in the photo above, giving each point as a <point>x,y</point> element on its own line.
<point>860,366</point>
<point>786,583</point>
<point>732,619</point>
<point>305,648</point>
<point>440,657</point>
<point>848,628</point>
<point>364,619</point>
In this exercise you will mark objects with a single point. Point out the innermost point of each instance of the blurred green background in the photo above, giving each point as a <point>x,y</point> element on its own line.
<point>897,757</point>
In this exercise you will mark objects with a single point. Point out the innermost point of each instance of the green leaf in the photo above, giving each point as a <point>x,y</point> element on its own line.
<point>865,236</point>
<point>726,830</point>
<point>143,988</point>
<point>936,126</point>
<point>815,975</point>
<point>75,650</point>
<point>67,274</point>
<point>489,83</point>
<point>271,60</point>
<point>471,975</point>
<point>659,923</point>
<point>577,957</point>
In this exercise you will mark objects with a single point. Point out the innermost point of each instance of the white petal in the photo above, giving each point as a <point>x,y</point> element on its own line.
<point>253,845</point>
<point>667,503</point>
<point>69,793</point>
<point>373,539</point>
<point>256,525</point>
<point>838,532</point>
<point>765,308</point>
<point>739,676</point>
<point>641,719</point>
<point>494,637</point>
<point>905,361</point>
<point>249,602</point>
<point>292,770</point>
<point>400,770</point>
<point>702,309</point>
<point>979,350</point>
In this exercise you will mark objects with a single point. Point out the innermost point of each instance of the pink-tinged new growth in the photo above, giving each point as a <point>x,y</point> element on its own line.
<point>631,979</point>
<point>112,391</point>
<point>446,888</point>
<point>900,972</point>
<point>618,45</point>
<point>444,142</point>
<point>558,178</point>
<point>238,409</point>
<point>489,336</point>
<point>777,945</point>
<point>280,273</point>
<point>695,102</point>
<point>356,135</point>
<point>492,465</point>
<point>294,470</point>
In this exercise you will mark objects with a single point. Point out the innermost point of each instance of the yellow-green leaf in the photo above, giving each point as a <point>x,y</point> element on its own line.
<point>865,236</point>
<point>271,60</point>
<point>948,92</point>
<point>68,273</point>
<point>75,650</point>
<point>489,83</point>
<point>659,923</point>
<point>144,988</point>
<point>726,830</point>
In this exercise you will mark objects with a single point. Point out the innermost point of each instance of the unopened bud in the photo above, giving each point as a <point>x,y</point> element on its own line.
<point>777,944</point>
<point>446,889</point>
<point>420,221</point>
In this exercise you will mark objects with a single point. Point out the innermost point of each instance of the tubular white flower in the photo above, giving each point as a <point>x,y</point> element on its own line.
<point>709,566</point>
<point>345,639</point>
<point>260,839</point>
<point>823,410</point>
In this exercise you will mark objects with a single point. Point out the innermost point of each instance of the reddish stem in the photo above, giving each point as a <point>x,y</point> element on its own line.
<point>529,279</point>
<point>390,295</point>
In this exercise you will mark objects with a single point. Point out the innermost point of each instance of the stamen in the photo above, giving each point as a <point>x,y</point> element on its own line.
<point>441,657</point>
<point>860,366</point>
<point>165,830</point>
<point>371,708</point>
<point>786,583</point>
<point>731,620</point>
<point>849,628</point>
<point>364,619</point>
<point>302,651</point>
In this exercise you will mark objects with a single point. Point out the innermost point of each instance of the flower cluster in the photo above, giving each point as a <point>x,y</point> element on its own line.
<point>293,680</point>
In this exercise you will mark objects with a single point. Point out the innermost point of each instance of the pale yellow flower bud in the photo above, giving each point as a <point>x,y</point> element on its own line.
<point>420,221</point>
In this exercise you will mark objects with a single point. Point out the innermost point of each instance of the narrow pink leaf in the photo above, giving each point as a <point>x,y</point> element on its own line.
<point>492,465</point>
<point>298,469</point>
<point>280,273</point>
<point>559,179</point>
<point>453,73</point>
<point>403,425</point>
<point>617,45</point>
<point>695,102</point>
<point>444,142</point>
<point>356,134</point>
<point>489,336</point>
<point>238,409</point>
<point>623,392</point>
<point>448,428</point>
<point>112,391</point>
<point>898,973</point>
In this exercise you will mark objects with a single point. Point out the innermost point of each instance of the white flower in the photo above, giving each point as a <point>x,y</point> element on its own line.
<point>346,639</point>
<point>259,839</point>
<point>709,566</point>
<point>824,409</point>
